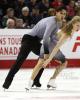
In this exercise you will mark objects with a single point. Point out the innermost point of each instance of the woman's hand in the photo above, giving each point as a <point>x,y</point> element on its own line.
<point>46,62</point>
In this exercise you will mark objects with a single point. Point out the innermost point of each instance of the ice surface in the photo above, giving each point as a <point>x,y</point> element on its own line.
<point>68,86</point>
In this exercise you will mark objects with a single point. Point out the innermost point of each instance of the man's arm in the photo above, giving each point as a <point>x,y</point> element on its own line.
<point>46,37</point>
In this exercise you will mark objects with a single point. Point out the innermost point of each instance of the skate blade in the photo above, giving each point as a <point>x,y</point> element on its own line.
<point>51,87</point>
<point>3,90</point>
<point>27,89</point>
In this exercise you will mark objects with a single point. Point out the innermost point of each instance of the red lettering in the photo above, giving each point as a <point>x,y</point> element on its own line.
<point>76,45</point>
<point>6,50</point>
<point>9,50</point>
<point>2,41</point>
<point>1,51</point>
<point>14,41</point>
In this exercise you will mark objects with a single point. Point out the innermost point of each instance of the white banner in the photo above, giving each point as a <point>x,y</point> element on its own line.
<point>71,48</point>
<point>10,41</point>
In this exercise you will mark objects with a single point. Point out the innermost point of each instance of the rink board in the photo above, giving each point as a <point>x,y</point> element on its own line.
<point>10,41</point>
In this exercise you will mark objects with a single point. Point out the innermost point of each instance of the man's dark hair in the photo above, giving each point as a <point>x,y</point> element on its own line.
<point>60,8</point>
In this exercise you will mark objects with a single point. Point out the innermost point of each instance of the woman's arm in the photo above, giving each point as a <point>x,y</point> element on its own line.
<point>55,50</point>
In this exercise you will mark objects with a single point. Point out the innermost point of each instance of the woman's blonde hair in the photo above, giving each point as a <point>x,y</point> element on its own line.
<point>68,27</point>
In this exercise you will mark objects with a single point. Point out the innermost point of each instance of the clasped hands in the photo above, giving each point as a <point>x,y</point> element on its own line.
<point>46,60</point>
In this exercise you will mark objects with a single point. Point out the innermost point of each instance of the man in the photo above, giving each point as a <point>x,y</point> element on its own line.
<point>43,30</point>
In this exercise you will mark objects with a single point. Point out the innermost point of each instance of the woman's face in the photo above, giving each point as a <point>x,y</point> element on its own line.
<point>76,26</point>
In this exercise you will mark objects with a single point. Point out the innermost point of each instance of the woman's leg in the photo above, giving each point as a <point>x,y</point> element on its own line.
<point>61,58</point>
<point>51,82</point>
<point>59,69</point>
<point>37,68</point>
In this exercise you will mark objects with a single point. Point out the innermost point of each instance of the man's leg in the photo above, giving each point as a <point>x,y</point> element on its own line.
<point>37,78</point>
<point>24,51</point>
<point>36,50</point>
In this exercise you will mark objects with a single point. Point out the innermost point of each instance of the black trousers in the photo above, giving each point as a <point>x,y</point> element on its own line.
<point>28,44</point>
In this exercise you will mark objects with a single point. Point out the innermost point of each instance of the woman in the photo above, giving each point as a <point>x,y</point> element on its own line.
<point>66,32</point>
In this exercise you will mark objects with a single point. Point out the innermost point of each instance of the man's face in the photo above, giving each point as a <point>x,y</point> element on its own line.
<point>61,15</point>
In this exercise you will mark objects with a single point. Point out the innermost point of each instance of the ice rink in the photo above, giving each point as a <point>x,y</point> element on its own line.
<point>68,86</point>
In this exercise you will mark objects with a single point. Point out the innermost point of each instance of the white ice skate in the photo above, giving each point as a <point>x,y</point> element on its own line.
<point>3,89</point>
<point>51,84</point>
<point>29,85</point>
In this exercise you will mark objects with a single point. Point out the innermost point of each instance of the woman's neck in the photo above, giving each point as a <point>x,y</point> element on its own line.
<point>73,31</point>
